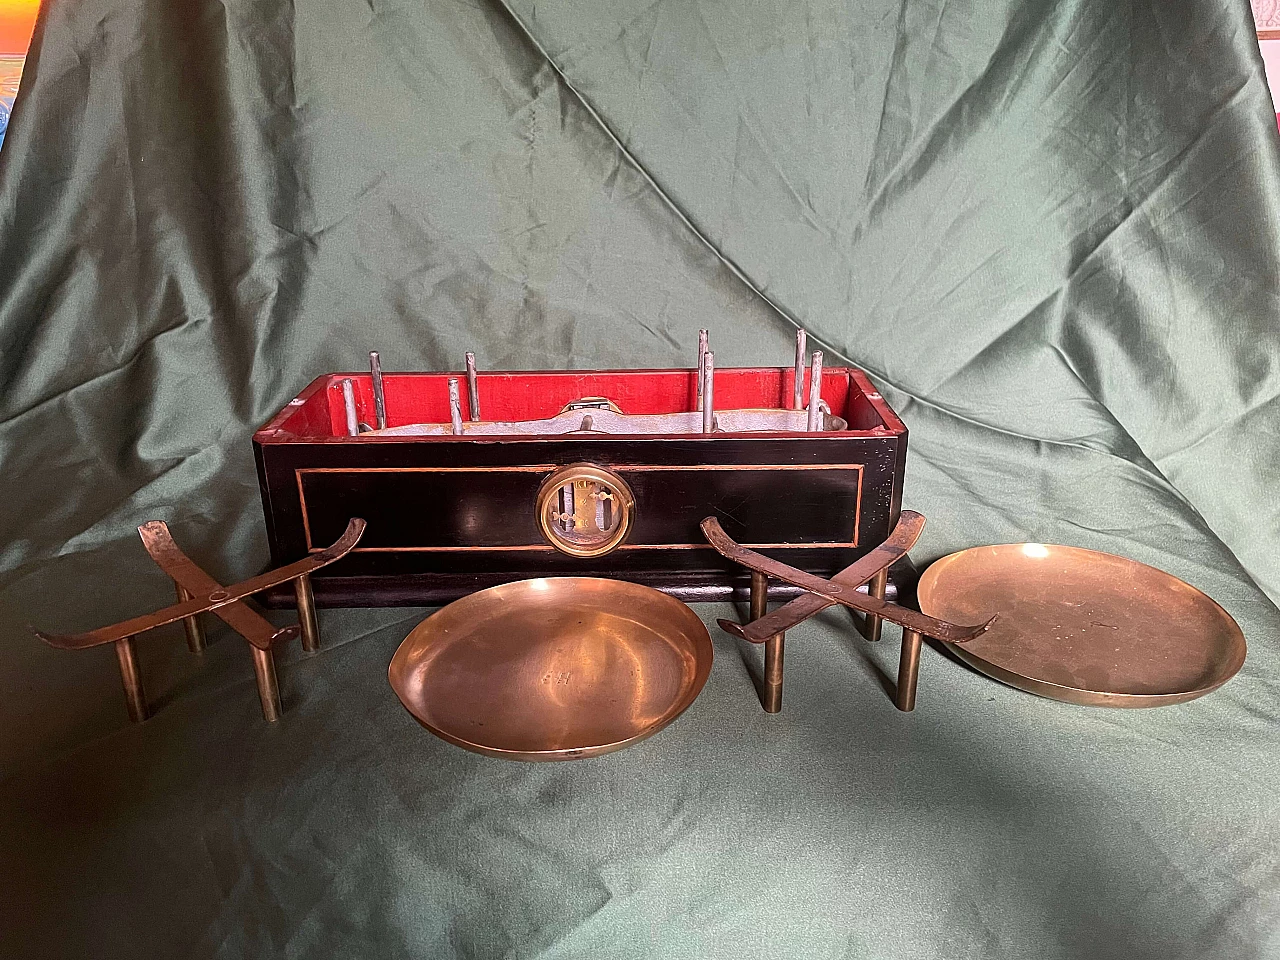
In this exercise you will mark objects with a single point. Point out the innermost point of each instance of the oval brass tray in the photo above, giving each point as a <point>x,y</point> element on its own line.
<point>1084,627</point>
<point>553,669</point>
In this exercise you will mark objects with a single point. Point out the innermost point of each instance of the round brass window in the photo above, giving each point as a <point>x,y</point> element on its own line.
<point>585,510</point>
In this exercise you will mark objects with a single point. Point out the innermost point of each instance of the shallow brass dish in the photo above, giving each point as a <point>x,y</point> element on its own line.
<point>1084,627</point>
<point>556,668</point>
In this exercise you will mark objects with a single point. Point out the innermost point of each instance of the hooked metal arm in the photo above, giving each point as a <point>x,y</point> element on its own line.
<point>841,589</point>
<point>200,593</point>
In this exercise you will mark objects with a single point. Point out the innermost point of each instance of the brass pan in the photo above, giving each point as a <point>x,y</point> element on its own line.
<point>1084,627</point>
<point>557,668</point>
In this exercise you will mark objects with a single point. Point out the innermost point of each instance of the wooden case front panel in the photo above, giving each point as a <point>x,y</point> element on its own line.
<point>816,502</point>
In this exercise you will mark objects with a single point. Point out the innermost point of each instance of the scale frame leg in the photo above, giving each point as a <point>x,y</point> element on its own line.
<point>307,620</point>
<point>908,671</point>
<point>774,647</point>
<point>135,695</point>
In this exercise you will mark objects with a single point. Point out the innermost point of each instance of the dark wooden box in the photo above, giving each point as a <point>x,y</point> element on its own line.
<point>448,515</point>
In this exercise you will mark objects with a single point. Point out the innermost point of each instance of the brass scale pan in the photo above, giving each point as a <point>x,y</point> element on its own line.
<point>556,668</point>
<point>568,667</point>
<point>1084,627</point>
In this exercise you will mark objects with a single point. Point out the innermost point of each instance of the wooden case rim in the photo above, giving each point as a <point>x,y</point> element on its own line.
<point>272,431</point>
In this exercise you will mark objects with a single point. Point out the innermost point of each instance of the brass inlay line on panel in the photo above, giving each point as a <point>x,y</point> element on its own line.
<point>547,548</point>
<point>640,467</point>
<point>548,467</point>
<point>521,468</point>
<point>622,468</point>
<point>302,503</point>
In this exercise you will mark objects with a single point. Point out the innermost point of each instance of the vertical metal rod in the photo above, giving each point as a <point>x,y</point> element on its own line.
<point>708,391</point>
<point>473,388</point>
<point>349,404</point>
<point>802,344</point>
<point>195,630</point>
<point>876,587</point>
<point>703,345</point>
<point>759,594</point>
<point>264,669</point>
<point>455,407</point>
<point>307,623</point>
<point>771,695</point>
<point>379,398</point>
<point>815,392</point>
<point>771,688</point>
<point>908,671</point>
<point>134,696</point>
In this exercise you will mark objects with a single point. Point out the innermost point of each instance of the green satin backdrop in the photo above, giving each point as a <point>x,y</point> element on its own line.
<point>1048,231</point>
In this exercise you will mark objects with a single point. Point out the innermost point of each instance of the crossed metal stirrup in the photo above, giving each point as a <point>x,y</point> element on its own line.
<point>200,593</point>
<point>770,629</point>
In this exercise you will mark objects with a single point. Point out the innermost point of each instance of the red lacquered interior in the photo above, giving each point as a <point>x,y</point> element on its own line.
<point>318,412</point>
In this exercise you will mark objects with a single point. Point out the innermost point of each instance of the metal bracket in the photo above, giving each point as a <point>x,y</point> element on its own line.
<point>199,593</point>
<point>872,570</point>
